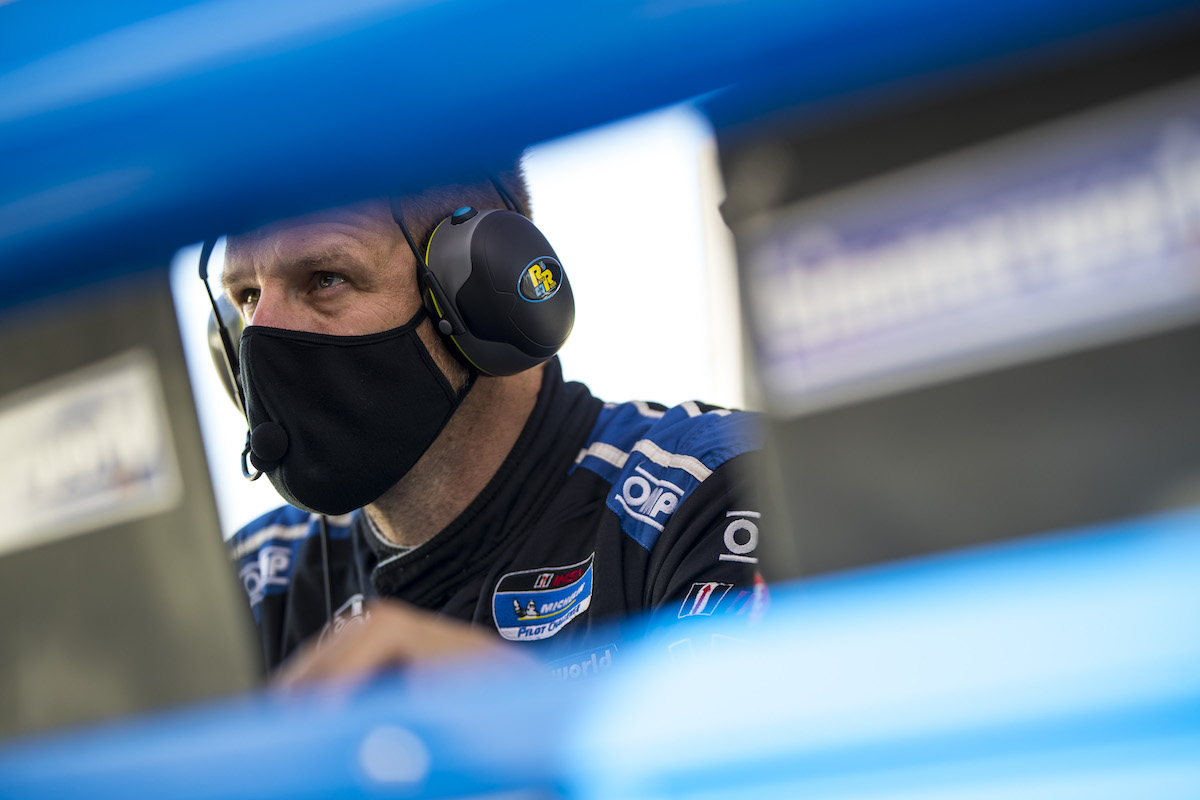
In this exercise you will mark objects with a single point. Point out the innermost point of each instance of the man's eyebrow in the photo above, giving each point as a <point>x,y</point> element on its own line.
<point>323,258</point>
<point>329,257</point>
<point>228,279</point>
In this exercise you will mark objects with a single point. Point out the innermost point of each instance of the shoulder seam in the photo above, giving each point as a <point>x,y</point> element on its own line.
<point>252,543</point>
<point>664,458</point>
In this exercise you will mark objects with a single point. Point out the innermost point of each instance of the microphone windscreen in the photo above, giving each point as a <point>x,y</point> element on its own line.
<point>268,444</point>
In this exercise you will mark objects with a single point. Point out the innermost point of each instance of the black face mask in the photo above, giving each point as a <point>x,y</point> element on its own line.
<point>335,421</point>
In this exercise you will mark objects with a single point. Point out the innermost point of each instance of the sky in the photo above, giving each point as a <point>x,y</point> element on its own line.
<point>631,210</point>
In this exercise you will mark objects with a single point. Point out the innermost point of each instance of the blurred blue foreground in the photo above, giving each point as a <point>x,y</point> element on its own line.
<point>1066,666</point>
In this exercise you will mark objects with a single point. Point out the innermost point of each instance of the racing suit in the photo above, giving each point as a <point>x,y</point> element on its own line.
<point>600,511</point>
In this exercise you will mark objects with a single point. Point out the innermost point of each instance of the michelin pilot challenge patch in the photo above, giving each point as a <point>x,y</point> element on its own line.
<point>537,603</point>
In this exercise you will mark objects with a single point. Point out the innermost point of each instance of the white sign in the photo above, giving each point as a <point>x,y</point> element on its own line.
<point>84,451</point>
<point>1069,234</point>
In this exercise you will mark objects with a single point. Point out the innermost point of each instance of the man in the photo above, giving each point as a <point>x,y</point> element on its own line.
<point>512,506</point>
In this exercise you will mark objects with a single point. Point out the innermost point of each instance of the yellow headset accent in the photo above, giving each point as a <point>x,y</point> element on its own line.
<point>438,308</point>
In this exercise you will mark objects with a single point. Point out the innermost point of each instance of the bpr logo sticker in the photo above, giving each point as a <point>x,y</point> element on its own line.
<point>539,281</point>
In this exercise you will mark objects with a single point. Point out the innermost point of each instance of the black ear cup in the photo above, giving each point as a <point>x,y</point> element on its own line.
<point>497,291</point>
<point>225,360</point>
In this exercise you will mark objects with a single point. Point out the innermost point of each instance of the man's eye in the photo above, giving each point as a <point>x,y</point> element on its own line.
<point>328,279</point>
<point>249,297</point>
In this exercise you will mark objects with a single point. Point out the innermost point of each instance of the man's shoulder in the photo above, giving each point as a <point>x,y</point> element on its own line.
<point>655,457</point>
<point>266,550</point>
<point>285,524</point>
<point>693,430</point>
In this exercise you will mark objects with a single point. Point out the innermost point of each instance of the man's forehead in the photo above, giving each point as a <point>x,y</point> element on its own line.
<point>368,213</point>
<point>319,234</point>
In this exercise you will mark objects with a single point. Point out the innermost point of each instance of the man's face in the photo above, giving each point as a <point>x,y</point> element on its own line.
<point>345,272</point>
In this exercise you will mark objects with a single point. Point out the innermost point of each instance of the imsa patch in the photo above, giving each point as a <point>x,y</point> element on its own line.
<point>537,603</point>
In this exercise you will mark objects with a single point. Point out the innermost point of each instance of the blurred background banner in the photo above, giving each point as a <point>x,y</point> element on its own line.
<point>1078,231</point>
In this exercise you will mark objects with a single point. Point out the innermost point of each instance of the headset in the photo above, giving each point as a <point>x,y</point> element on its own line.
<point>494,287</point>
<point>489,279</point>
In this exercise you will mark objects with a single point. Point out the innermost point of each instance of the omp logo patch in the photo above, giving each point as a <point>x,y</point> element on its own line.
<point>271,569</point>
<point>649,499</point>
<point>537,603</point>
<point>703,598</point>
<point>741,536</point>
<point>540,280</point>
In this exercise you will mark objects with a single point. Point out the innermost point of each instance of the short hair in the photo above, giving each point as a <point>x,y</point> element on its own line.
<point>424,210</point>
